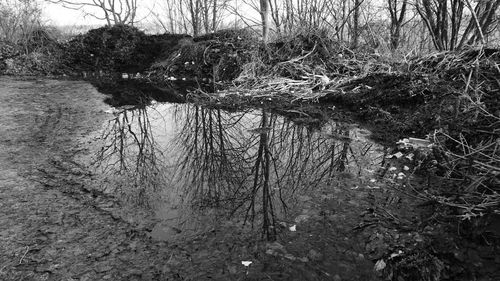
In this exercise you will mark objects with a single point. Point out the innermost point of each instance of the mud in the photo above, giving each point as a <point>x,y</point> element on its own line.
<point>52,228</point>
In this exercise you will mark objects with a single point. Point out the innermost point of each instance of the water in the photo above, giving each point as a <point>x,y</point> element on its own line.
<point>197,167</point>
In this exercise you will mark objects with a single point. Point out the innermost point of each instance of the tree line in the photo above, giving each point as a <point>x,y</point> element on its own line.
<point>379,25</point>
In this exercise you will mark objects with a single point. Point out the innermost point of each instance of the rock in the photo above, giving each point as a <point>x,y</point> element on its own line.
<point>271,252</point>
<point>302,218</point>
<point>380,265</point>
<point>314,255</point>
<point>232,269</point>
<point>303,259</point>
<point>103,267</point>
<point>275,246</point>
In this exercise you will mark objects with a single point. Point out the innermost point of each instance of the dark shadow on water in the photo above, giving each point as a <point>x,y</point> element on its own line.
<point>139,92</point>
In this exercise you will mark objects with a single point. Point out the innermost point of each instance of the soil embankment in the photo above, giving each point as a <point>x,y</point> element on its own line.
<point>51,228</point>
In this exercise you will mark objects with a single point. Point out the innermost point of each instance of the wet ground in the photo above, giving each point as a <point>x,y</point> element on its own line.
<point>52,227</point>
<point>186,192</point>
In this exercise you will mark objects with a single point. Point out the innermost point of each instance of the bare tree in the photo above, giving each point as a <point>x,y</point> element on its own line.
<point>18,19</point>
<point>445,19</point>
<point>341,17</point>
<point>397,11</point>
<point>190,16</point>
<point>355,24</point>
<point>482,22</point>
<point>264,14</point>
<point>112,11</point>
<point>169,17</point>
<point>194,7</point>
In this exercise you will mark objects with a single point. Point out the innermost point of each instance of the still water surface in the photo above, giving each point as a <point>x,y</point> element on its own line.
<point>196,166</point>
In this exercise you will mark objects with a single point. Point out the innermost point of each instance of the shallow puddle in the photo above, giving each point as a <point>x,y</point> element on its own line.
<point>197,167</point>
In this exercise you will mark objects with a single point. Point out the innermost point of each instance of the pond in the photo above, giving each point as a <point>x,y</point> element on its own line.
<point>197,166</point>
<point>318,187</point>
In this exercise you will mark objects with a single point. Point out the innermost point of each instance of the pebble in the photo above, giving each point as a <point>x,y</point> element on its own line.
<point>302,218</point>
<point>303,259</point>
<point>314,255</point>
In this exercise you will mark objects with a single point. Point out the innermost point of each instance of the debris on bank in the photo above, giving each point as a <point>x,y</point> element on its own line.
<point>207,61</point>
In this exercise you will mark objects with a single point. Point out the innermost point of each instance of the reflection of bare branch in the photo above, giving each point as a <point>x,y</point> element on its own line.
<point>219,162</point>
<point>130,151</point>
<point>222,163</point>
<point>211,162</point>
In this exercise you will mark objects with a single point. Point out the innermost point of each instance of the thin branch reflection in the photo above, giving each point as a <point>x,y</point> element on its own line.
<point>130,155</point>
<point>248,164</point>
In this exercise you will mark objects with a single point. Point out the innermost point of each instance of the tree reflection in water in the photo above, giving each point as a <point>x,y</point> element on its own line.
<point>129,156</point>
<point>247,164</point>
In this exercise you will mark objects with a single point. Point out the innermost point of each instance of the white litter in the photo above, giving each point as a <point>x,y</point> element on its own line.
<point>246,263</point>
<point>415,143</point>
<point>380,265</point>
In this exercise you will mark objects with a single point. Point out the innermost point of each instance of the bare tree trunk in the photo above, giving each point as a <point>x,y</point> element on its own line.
<point>264,14</point>
<point>206,11</point>
<point>439,15</point>
<point>355,24</point>
<point>397,16</point>
<point>275,15</point>
<point>214,16</point>
<point>194,9</point>
<point>480,25</point>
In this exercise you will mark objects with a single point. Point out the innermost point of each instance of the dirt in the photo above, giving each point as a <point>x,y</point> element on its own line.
<point>51,228</point>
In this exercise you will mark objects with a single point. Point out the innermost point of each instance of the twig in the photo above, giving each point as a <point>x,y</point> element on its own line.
<point>26,252</point>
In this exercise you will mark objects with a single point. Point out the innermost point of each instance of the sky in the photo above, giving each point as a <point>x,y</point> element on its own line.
<point>60,16</point>
<point>70,19</point>
<point>55,14</point>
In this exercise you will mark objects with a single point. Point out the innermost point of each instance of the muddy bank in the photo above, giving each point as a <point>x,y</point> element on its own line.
<point>57,225</point>
<point>52,227</point>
